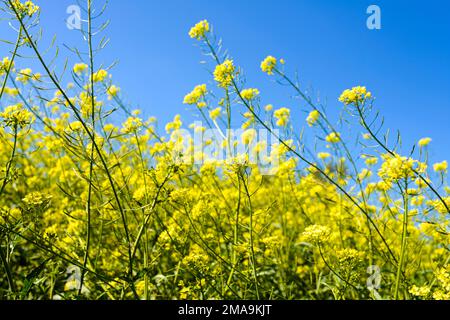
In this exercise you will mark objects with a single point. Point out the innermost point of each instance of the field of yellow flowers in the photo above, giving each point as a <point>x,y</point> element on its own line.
<point>97,202</point>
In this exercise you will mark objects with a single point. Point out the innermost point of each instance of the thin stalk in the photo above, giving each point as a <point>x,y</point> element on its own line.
<point>9,276</point>
<point>252,249</point>
<point>404,236</point>
<point>235,233</point>
<point>91,159</point>
<point>10,161</point>
<point>19,37</point>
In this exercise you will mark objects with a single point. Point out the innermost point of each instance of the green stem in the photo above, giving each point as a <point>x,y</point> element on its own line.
<point>403,246</point>
<point>252,249</point>
<point>19,37</point>
<point>91,159</point>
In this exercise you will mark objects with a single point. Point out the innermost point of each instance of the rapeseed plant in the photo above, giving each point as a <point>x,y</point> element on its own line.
<point>92,208</point>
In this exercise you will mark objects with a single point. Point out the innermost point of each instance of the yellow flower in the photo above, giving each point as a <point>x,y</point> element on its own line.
<point>224,73</point>
<point>100,75</point>
<point>35,199</point>
<point>199,30</point>
<point>316,234</point>
<point>5,65</point>
<point>397,167</point>
<point>441,166</point>
<point>333,137</point>
<point>195,95</point>
<point>16,116</point>
<point>371,161</point>
<point>268,108</point>
<point>364,174</point>
<point>24,75</point>
<point>268,64</point>
<point>323,155</point>
<point>313,117</point>
<point>424,142</point>
<point>282,115</point>
<point>354,95</point>
<point>80,68</point>
<point>112,91</point>
<point>214,114</point>
<point>27,8</point>
<point>132,124</point>
<point>248,136</point>
<point>249,94</point>
<point>423,291</point>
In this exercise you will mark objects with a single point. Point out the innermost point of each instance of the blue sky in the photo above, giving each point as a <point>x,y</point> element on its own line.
<point>406,64</point>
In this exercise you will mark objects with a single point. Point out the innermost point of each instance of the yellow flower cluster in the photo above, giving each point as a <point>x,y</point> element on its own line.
<point>25,75</point>
<point>224,73</point>
<point>112,91</point>
<point>100,75</point>
<point>441,166</point>
<point>249,94</point>
<point>282,115</point>
<point>15,116</point>
<point>269,64</point>
<point>195,96</point>
<point>248,136</point>
<point>5,65</point>
<point>333,137</point>
<point>215,113</point>
<point>424,142</point>
<point>313,117</point>
<point>80,68</point>
<point>199,30</point>
<point>355,95</point>
<point>397,167</point>
<point>26,8</point>
<point>316,234</point>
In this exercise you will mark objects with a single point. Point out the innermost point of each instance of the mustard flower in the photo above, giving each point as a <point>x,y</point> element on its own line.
<point>316,234</point>
<point>424,142</point>
<point>333,137</point>
<point>215,113</point>
<point>16,116</point>
<point>199,30</point>
<point>224,73</point>
<point>313,117</point>
<point>27,8</point>
<point>282,115</point>
<point>248,136</point>
<point>249,94</point>
<point>268,65</point>
<point>79,68</point>
<point>397,167</point>
<point>195,95</point>
<point>441,166</point>
<point>100,75</point>
<point>112,91</point>
<point>355,95</point>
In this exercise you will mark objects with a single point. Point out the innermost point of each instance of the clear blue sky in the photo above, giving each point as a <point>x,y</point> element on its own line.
<point>406,64</point>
